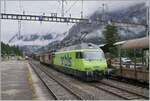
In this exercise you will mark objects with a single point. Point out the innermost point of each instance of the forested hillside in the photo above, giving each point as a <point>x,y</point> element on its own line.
<point>10,50</point>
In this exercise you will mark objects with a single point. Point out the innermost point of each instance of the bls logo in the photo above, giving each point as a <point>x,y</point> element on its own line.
<point>66,60</point>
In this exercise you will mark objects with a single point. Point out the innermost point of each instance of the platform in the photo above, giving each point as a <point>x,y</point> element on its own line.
<point>18,82</point>
<point>14,81</point>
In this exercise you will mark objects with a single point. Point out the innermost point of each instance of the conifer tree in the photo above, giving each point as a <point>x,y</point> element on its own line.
<point>111,35</point>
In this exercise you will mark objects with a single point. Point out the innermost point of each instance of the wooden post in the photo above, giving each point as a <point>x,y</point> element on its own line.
<point>142,51</point>
<point>120,61</point>
<point>135,72</point>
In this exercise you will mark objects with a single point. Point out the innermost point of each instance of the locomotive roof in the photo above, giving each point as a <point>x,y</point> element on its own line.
<point>79,50</point>
<point>80,46</point>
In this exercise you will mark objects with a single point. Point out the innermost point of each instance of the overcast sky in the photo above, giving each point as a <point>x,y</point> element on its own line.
<point>10,27</point>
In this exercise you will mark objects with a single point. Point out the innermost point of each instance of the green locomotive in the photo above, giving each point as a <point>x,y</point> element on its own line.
<point>87,63</point>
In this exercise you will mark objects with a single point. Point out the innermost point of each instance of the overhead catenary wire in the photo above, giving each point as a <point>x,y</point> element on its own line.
<point>18,35</point>
<point>58,6</point>
<point>55,22</point>
<point>71,6</point>
<point>52,28</point>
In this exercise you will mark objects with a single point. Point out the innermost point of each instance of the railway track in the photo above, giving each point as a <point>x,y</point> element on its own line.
<point>114,88</point>
<point>83,86</point>
<point>143,92</point>
<point>118,91</point>
<point>60,89</point>
<point>130,81</point>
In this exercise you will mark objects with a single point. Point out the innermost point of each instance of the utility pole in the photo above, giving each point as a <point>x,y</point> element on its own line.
<point>4,6</point>
<point>0,41</point>
<point>62,8</point>
<point>147,30</point>
<point>103,12</point>
<point>82,10</point>
<point>19,29</point>
<point>19,22</point>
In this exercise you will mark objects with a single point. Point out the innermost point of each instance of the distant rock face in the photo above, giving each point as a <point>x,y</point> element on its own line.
<point>37,40</point>
<point>135,14</point>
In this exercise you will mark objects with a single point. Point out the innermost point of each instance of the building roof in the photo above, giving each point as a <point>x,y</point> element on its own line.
<point>137,43</point>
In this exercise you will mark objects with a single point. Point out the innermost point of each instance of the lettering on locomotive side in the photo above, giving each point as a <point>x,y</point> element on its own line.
<point>66,60</point>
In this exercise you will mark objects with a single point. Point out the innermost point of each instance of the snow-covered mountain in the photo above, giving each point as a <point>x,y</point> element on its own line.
<point>37,40</point>
<point>134,14</point>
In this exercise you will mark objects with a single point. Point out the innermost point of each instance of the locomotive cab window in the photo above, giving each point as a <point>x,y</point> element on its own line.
<point>79,55</point>
<point>53,55</point>
<point>93,55</point>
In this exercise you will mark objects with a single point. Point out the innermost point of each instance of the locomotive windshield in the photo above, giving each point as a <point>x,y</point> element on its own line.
<point>93,55</point>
